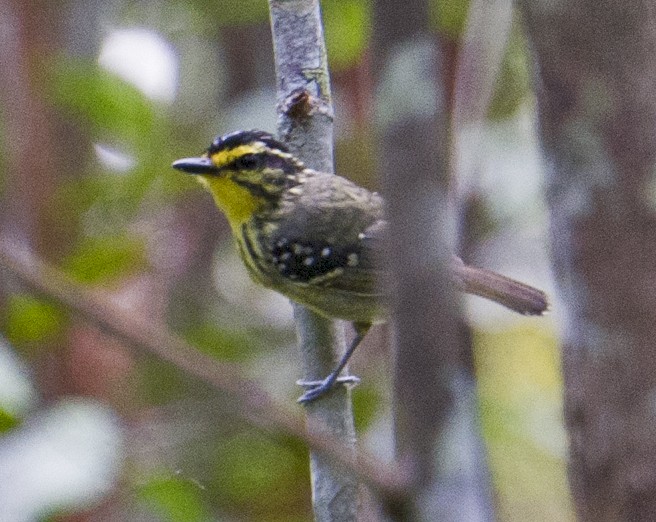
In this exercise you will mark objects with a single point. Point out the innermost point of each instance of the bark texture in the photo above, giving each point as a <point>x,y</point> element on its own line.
<point>433,388</point>
<point>306,124</point>
<point>596,78</point>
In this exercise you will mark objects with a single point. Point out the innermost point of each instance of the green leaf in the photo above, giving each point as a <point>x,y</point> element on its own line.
<point>238,12</point>
<point>31,320</point>
<point>108,103</point>
<point>175,500</point>
<point>513,83</point>
<point>450,16</point>
<point>8,421</point>
<point>366,406</point>
<point>347,26</point>
<point>100,260</point>
<point>261,475</point>
<point>221,343</point>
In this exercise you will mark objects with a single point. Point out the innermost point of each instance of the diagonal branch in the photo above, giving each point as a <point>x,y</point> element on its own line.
<point>254,405</point>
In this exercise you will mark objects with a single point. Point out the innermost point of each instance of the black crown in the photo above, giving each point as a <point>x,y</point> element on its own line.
<point>234,139</point>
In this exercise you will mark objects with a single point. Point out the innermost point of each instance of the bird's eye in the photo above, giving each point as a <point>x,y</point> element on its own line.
<point>247,162</point>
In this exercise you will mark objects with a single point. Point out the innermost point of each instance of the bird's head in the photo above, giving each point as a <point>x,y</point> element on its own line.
<point>245,171</point>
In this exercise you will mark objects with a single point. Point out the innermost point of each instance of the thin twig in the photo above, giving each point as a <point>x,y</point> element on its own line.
<point>255,405</point>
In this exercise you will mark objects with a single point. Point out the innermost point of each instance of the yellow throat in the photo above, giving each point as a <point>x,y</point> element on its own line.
<point>236,202</point>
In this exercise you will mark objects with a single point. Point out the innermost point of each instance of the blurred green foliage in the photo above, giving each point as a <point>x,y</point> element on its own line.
<point>106,105</point>
<point>367,400</point>
<point>513,83</point>
<point>117,114</point>
<point>262,477</point>
<point>237,12</point>
<point>230,345</point>
<point>520,386</point>
<point>449,16</point>
<point>31,321</point>
<point>161,383</point>
<point>175,499</point>
<point>8,421</point>
<point>101,260</point>
<point>347,26</point>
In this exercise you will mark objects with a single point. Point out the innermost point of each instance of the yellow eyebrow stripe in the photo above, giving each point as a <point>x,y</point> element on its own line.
<point>225,157</point>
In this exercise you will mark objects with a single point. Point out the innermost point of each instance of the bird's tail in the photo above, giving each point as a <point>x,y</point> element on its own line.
<point>512,294</point>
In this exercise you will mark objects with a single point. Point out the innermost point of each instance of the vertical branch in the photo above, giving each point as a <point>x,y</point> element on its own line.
<point>480,59</point>
<point>433,390</point>
<point>306,124</point>
<point>596,73</point>
<point>413,151</point>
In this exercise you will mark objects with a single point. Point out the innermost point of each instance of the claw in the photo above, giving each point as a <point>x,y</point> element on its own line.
<point>320,388</point>
<point>345,379</point>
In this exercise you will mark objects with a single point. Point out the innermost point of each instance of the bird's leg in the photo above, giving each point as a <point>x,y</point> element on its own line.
<point>319,388</point>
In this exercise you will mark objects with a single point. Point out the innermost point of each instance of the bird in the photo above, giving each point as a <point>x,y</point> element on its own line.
<point>318,238</point>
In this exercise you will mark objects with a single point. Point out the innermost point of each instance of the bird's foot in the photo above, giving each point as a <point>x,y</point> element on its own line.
<point>319,388</point>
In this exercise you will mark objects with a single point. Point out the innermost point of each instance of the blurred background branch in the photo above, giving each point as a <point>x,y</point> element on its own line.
<point>597,118</point>
<point>251,402</point>
<point>433,382</point>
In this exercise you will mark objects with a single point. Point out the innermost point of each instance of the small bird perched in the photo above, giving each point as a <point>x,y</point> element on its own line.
<point>316,237</point>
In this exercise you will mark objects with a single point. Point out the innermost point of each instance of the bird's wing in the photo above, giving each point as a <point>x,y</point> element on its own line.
<point>333,246</point>
<point>360,270</point>
<point>350,265</point>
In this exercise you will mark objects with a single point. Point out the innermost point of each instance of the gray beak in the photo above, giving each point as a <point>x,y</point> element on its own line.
<point>195,165</point>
